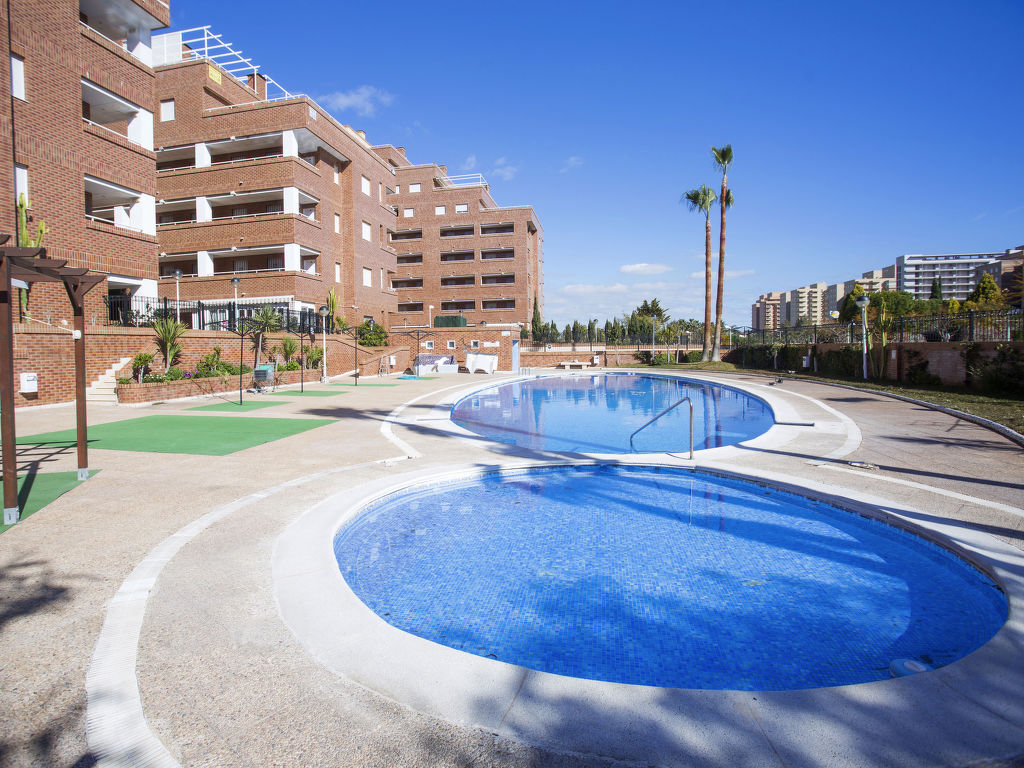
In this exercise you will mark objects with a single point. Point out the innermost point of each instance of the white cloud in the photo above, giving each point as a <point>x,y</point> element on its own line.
<point>363,100</point>
<point>469,163</point>
<point>570,163</point>
<point>504,170</point>
<point>730,273</point>
<point>643,268</point>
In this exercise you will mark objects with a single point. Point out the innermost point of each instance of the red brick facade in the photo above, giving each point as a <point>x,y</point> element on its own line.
<point>459,251</point>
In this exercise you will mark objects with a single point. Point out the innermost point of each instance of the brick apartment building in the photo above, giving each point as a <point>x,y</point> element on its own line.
<point>78,139</point>
<point>458,251</point>
<point>274,192</point>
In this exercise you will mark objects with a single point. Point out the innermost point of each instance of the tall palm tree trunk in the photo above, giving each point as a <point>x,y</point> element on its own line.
<point>716,353</point>
<point>706,350</point>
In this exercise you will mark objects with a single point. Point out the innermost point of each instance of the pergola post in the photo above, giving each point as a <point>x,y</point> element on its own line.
<point>7,433</point>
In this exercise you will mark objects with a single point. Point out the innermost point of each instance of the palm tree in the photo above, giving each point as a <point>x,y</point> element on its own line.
<point>263,321</point>
<point>701,199</point>
<point>168,331</point>
<point>723,159</point>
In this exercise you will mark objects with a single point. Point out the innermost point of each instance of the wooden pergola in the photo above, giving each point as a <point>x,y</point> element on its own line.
<point>30,265</point>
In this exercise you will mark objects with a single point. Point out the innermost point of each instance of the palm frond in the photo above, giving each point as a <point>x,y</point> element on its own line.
<point>722,157</point>
<point>700,199</point>
<point>729,200</point>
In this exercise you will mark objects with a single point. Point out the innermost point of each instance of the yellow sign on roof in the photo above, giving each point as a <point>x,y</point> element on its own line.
<point>214,74</point>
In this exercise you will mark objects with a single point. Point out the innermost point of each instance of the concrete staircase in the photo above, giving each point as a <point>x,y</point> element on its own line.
<point>102,390</point>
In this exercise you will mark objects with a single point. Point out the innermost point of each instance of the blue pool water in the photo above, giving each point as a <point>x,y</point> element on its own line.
<point>597,414</point>
<point>663,577</point>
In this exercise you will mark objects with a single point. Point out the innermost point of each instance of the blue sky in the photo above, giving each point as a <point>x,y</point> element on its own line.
<point>862,131</point>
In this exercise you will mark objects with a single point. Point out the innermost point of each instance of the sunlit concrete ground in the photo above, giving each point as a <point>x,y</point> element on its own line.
<point>224,681</point>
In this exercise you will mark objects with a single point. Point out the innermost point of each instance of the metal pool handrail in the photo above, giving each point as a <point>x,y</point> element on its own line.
<point>677,402</point>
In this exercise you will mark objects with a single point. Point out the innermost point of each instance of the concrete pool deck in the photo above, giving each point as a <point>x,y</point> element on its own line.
<point>224,680</point>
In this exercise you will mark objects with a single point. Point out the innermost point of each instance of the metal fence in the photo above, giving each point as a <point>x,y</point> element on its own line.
<point>143,312</point>
<point>1003,325</point>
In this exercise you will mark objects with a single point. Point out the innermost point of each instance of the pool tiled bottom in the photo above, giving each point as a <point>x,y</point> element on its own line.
<point>663,577</point>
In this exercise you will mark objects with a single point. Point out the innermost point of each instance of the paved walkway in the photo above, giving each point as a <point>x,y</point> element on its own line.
<point>224,681</point>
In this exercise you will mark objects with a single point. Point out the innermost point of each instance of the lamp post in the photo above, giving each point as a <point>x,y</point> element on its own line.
<point>323,314</point>
<point>430,315</point>
<point>862,302</point>
<point>235,282</point>
<point>177,295</point>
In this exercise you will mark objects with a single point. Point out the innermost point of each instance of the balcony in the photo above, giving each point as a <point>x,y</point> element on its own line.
<point>410,258</point>
<point>458,231</point>
<point>124,24</point>
<point>491,304</point>
<point>227,262</point>
<point>109,203</point>
<point>406,234</point>
<point>502,279</point>
<point>503,228</point>
<point>448,256</point>
<point>499,253</point>
<point>467,305</point>
<point>458,281</point>
<point>237,205</point>
<point>463,180</point>
<point>406,283</point>
<point>106,111</point>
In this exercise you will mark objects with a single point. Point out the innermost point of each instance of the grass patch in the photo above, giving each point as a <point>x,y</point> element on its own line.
<point>307,393</point>
<point>232,405</point>
<point>36,490</point>
<point>200,435</point>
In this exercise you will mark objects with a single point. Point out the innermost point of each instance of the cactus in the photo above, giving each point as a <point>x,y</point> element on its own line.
<point>27,241</point>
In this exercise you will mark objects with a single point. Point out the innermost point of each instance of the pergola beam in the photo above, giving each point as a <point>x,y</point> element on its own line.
<point>30,265</point>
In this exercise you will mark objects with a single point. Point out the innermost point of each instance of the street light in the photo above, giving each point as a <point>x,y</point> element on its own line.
<point>323,313</point>
<point>177,294</point>
<point>235,282</point>
<point>862,302</point>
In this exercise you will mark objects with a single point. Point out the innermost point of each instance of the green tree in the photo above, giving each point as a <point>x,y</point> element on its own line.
<point>567,333</point>
<point>536,322</point>
<point>897,303</point>
<point>986,294</point>
<point>289,346</point>
<point>168,332</point>
<point>936,289</point>
<point>332,307</point>
<point>592,330</point>
<point>723,160</point>
<point>848,310</point>
<point>372,335</point>
<point>701,199</point>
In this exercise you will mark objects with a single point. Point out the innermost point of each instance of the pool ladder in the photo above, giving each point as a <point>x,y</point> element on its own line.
<point>651,421</point>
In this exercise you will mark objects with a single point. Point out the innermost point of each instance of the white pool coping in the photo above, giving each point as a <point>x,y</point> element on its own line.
<point>952,714</point>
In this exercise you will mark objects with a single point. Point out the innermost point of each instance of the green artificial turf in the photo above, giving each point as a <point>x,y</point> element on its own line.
<point>35,491</point>
<point>232,405</point>
<point>307,393</point>
<point>202,435</point>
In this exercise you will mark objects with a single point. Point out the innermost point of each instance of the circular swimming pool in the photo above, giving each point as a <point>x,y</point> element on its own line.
<point>663,577</point>
<point>598,413</point>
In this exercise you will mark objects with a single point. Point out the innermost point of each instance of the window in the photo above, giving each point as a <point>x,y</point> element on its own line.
<point>498,304</point>
<point>504,228</point>
<point>407,234</point>
<point>439,210</point>
<point>458,306</point>
<point>21,183</point>
<point>242,211</point>
<point>337,223</point>
<point>367,232</point>
<point>474,344</point>
<point>166,111</point>
<point>457,281</point>
<point>410,258</point>
<point>414,188</point>
<point>240,265</point>
<point>18,77</point>
<point>275,262</point>
<point>451,343</point>
<point>407,282</point>
<point>456,255</point>
<point>367,277</point>
<point>337,172</point>
<point>411,306</point>
<point>337,272</point>
<point>398,189</point>
<point>466,231</point>
<point>275,207</point>
<point>428,345</point>
<point>365,185</point>
<point>408,213</point>
<point>503,253</point>
<point>380,191</point>
<point>462,207</point>
<point>309,211</point>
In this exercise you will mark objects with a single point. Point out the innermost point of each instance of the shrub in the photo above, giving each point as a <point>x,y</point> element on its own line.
<point>124,381</point>
<point>917,371</point>
<point>291,365</point>
<point>842,362</point>
<point>314,355</point>
<point>693,356</point>
<point>140,364</point>
<point>661,359</point>
<point>642,357</point>
<point>1003,374</point>
<point>372,335</point>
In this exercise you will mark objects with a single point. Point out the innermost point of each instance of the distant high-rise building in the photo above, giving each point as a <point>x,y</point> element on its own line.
<point>958,272</point>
